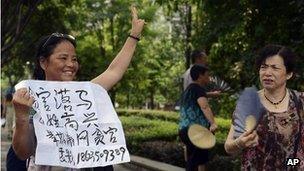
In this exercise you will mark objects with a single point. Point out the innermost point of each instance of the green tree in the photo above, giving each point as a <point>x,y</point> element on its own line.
<point>49,16</point>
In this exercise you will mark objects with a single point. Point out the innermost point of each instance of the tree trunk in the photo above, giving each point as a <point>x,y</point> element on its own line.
<point>113,91</point>
<point>113,96</point>
<point>188,22</point>
<point>128,100</point>
<point>152,105</point>
<point>15,17</point>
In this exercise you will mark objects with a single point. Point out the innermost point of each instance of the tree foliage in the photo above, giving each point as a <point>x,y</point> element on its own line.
<point>231,32</point>
<point>48,17</point>
<point>15,17</point>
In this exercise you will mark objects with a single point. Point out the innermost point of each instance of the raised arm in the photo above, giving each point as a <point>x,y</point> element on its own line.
<point>213,94</point>
<point>121,62</point>
<point>23,143</point>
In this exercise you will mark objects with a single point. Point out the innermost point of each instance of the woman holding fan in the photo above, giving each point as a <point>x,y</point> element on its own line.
<point>195,110</point>
<point>278,134</point>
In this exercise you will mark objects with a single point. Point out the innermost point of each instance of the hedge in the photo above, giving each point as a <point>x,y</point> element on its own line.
<point>141,129</point>
<point>154,134</point>
<point>150,114</point>
<point>160,125</point>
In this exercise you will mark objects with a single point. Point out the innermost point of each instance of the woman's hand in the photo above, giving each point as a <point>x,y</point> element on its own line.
<point>22,102</point>
<point>247,139</point>
<point>213,127</point>
<point>137,24</point>
<point>23,135</point>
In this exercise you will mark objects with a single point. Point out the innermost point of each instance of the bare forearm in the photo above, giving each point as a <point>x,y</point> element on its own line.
<point>122,60</point>
<point>231,147</point>
<point>212,94</point>
<point>22,139</point>
<point>24,131</point>
<point>209,115</point>
<point>118,66</point>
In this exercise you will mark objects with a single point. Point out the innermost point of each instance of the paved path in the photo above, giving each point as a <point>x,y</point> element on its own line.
<point>6,142</point>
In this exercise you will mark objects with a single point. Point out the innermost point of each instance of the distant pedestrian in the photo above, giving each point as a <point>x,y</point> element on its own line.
<point>197,57</point>
<point>10,114</point>
<point>196,110</point>
<point>3,112</point>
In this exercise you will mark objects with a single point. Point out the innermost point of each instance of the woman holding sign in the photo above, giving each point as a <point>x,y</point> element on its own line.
<point>274,133</point>
<point>57,61</point>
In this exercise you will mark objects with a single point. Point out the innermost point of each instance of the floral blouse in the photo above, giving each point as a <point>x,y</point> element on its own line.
<point>277,136</point>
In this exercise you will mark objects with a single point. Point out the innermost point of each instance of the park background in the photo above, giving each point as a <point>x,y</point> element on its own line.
<point>230,31</point>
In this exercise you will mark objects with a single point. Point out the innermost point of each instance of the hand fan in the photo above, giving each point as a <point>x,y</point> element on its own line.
<point>217,84</point>
<point>201,137</point>
<point>248,111</point>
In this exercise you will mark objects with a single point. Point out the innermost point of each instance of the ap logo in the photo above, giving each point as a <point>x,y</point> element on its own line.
<point>292,162</point>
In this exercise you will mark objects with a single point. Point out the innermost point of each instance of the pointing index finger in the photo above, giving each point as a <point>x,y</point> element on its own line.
<point>134,12</point>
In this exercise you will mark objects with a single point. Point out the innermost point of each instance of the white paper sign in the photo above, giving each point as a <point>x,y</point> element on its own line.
<point>75,124</point>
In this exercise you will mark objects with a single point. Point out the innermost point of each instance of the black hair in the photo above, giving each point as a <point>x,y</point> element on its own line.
<point>271,50</point>
<point>9,97</point>
<point>197,70</point>
<point>196,54</point>
<point>45,48</point>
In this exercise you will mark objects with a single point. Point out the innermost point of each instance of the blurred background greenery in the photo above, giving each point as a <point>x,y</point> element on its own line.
<point>229,31</point>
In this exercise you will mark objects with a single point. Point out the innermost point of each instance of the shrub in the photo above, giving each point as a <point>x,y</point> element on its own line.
<point>164,151</point>
<point>150,114</point>
<point>154,134</point>
<point>139,129</point>
<point>160,125</point>
<point>173,153</point>
<point>224,163</point>
<point>227,104</point>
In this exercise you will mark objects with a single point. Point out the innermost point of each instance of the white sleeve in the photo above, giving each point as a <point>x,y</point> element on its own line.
<point>187,79</point>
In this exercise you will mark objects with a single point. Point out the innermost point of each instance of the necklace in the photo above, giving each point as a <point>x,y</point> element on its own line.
<point>275,103</point>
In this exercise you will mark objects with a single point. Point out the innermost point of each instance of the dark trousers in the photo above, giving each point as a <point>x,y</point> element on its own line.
<point>195,155</point>
<point>13,163</point>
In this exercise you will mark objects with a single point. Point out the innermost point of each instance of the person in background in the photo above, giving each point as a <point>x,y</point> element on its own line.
<point>3,112</point>
<point>10,114</point>
<point>196,110</point>
<point>279,134</point>
<point>197,57</point>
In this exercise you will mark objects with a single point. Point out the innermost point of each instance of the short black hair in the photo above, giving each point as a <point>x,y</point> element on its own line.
<point>9,97</point>
<point>196,70</point>
<point>196,54</point>
<point>271,50</point>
